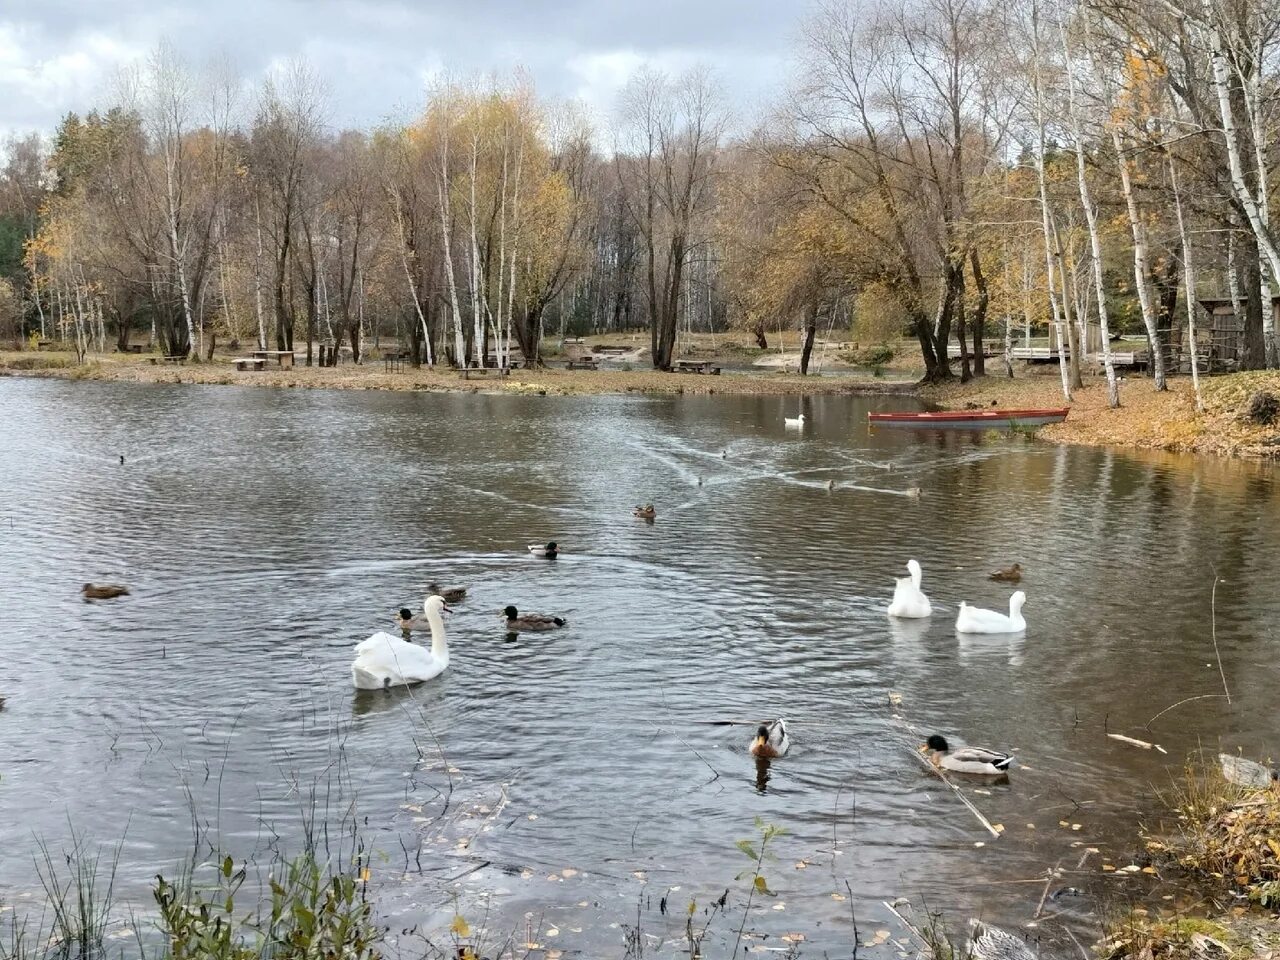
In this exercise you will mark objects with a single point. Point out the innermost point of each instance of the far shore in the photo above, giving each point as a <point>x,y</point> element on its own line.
<point>373,375</point>
<point>1145,420</point>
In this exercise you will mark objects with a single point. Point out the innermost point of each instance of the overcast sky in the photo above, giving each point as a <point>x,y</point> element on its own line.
<point>379,55</point>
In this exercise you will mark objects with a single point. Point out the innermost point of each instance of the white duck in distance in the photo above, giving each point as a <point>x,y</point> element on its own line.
<point>909,600</point>
<point>546,551</point>
<point>976,620</point>
<point>770,741</point>
<point>794,421</point>
<point>385,661</point>
<point>979,760</point>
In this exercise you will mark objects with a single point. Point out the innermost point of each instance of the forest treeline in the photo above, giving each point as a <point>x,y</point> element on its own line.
<point>946,170</point>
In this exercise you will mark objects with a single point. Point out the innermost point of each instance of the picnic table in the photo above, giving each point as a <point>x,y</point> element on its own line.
<point>696,366</point>
<point>582,363</point>
<point>177,358</point>
<point>283,358</point>
<point>250,363</point>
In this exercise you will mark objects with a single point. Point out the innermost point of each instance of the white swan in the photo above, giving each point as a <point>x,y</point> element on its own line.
<point>387,661</point>
<point>794,421</point>
<point>976,620</point>
<point>908,599</point>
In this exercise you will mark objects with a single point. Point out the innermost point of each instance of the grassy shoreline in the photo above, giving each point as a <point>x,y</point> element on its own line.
<point>1145,420</point>
<point>372,376</point>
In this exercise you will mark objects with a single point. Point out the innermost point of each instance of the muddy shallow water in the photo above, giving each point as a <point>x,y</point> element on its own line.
<point>560,781</point>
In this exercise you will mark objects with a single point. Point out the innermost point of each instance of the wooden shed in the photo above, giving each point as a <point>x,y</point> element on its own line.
<point>1222,345</point>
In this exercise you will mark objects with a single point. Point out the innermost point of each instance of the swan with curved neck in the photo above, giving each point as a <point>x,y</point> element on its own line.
<point>385,661</point>
<point>976,620</point>
<point>909,601</point>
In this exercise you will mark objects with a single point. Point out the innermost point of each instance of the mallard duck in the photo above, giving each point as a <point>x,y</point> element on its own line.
<point>991,943</point>
<point>976,620</point>
<point>451,595</point>
<point>1011,574</point>
<point>645,513</point>
<point>770,740</point>
<point>547,551</point>
<point>966,759</point>
<point>530,622</point>
<point>909,600</point>
<point>407,622</point>
<point>105,591</point>
<point>794,421</point>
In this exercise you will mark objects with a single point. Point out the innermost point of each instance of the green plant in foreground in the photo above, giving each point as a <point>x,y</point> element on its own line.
<point>758,856</point>
<point>312,914</point>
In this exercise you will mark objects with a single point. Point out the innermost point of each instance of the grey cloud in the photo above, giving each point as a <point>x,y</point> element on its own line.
<point>58,55</point>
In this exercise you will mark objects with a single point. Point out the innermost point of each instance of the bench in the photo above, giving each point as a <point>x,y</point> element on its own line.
<point>611,351</point>
<point>131,348</point>
<point>175,358</point>
<point>584,363</point>
<point>284,358</point>
<point>250,363</point>
<point>696,366</point>
<point>44,345</point>
<point>394,362</point>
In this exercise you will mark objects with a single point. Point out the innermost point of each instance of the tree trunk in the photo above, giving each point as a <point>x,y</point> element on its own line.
<point>1140,260</point>
<point>761,341</point>
<point>979,313</point>
<point>1253,354</point>
<point>810,332</point>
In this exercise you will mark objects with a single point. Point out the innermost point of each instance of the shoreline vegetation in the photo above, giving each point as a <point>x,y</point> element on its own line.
<point>1147,419</point>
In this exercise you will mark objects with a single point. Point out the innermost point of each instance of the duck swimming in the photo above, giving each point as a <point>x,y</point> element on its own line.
<point>104,591</point>
<point>407,622</point>
<point>547,551</point>
<point>645,513</point>
<point>384,661</point>
<point>976,620</point>
<point>530,622</point>
<point>1011,574</point>
<point>909,601</point>
<point>794,421</point>
<point>451,595</point>
<point>978,760</point>
<point>770,741</point>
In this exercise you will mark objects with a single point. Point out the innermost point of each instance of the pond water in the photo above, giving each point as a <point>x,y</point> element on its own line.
<point>563,784</point>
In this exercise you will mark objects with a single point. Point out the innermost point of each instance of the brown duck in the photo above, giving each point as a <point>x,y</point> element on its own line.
<point>103,591</point>
<point>451,595</point>
<point>645,513</point>
<point>1011,574</point>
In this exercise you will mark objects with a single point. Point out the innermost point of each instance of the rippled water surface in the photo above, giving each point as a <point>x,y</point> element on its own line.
<point>556,782</point>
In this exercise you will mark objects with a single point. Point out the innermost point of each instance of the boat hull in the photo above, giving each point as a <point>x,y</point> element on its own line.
<point>969,419</point>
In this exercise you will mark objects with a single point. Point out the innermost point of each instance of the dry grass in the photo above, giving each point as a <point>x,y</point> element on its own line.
<point>372,376</point>
<point>1145,419</point>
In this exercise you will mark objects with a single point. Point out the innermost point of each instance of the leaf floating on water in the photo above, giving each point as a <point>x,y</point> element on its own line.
<point>839,897</point>
<point>1150,870</point>
<point>460,927</point>
<point>880,937</point>
<point>895,698</point>
<point>801,865</point>
<point>793,938</point>
<point>533,816</point>
<point>1031,826</point>
<point>1063,823</point>
<point>1075,826</point>
<point>526,874</point>
<point>980,843</point>
<point>553,931</point>
<point>998,827</point>
<point>640,875</point>
<point>1108,868</point>
<point>568,872</point>
<point>779,906</point>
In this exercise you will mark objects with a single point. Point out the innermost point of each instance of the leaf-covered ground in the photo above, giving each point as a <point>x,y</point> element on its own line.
<point>1145,418</point>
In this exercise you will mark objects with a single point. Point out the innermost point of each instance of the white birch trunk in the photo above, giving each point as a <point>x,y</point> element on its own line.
<point>1095,241</point>
<point>1255,214</point>
<point>442,191</point>
<point>1055,318</point>
<point>477,321</point>
<point>1140,270</point>
<point>1189,279</point>
<point>257,278</point>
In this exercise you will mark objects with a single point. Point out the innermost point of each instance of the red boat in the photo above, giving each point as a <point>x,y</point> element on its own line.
<point>970,419</point>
